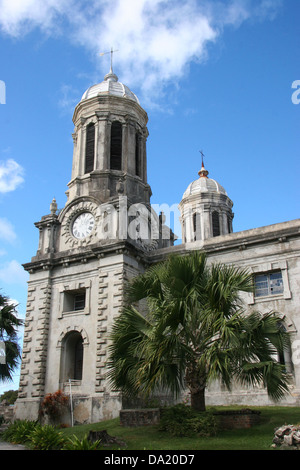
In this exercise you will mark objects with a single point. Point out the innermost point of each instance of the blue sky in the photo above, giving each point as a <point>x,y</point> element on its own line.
<point>215,76</point>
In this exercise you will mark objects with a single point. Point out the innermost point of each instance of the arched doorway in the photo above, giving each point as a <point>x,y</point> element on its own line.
<point>72,357</point>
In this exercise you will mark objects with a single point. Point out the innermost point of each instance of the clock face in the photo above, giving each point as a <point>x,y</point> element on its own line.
<point>83,225</point>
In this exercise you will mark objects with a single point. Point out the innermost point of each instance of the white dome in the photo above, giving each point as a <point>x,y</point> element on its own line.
<point>203,185</point>
<point>110,86</point>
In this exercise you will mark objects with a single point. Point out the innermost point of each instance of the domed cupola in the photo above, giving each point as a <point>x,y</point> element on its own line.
<point>110,86</point>
<point>206,209</point>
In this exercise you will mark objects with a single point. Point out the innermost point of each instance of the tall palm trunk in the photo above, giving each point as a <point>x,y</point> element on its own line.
<point>198,400</point>
<point>196,383</point>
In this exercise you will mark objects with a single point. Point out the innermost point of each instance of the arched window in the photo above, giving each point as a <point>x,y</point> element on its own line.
<point>72,357</point>
<point>229,226</point>
<point>196,226</point>
<point>215,224</point>
<point>116,146</point>
<point>90,148</point>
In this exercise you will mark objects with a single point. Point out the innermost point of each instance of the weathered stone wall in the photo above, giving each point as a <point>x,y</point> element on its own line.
<point>139,417</point>
<point>238,419</point>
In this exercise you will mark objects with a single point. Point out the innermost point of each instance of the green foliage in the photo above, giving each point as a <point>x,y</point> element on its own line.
<point>182,421</point>
<point>10,396</point>
<point>195,331</point>
<point>74,443</point>
<point>9,323</point>
<point>19,432</point>
<point>46,438</point>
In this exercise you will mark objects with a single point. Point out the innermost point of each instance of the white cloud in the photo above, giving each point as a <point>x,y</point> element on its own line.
<point>18,17</point>
<point>13,273</point>
<point>11,175</point>
<point>157,39</point>
<point>7,232</point>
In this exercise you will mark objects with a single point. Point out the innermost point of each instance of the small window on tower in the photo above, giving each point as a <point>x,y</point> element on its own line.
<point>196,226</point>
<point>215,224</point>
<point>90,148</point>
<point>116,146</point>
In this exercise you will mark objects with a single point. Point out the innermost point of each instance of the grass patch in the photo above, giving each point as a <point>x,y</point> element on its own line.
<point>258,437</point>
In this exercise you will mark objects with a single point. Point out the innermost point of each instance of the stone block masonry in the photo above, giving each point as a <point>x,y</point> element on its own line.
<point>237,419</point>
<point>141,417</point>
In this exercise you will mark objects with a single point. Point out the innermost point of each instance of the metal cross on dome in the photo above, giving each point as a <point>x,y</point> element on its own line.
<point>111,52</point>
<point>202,155</point>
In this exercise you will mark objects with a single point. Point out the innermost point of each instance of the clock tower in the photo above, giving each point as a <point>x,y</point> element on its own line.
<point>87,252</point>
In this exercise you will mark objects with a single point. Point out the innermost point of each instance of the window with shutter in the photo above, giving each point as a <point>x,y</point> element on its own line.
<point>196,226</point>
<point>90,148</point>
<point>116,146</point>
<point>215,224</point>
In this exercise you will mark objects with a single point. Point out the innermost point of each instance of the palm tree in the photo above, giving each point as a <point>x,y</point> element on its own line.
<point>184,325</point>
<point>9,348</point>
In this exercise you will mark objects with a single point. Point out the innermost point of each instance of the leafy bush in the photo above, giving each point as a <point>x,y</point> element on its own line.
<point>182,421</point>
<point>73,443</point>
<point>19,432</point>
<point>46,438</point>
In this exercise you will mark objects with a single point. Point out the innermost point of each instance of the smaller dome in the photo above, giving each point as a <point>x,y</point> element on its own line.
<point>203,185</point>
<point>110,86</point>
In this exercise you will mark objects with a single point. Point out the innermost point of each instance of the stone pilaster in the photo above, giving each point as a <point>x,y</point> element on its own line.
<point>41,344</point>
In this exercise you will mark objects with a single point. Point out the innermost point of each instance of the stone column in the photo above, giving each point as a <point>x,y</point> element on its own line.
<point>102,151</point>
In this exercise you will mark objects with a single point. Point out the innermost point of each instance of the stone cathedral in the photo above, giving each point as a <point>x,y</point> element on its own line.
<point>108,233</point>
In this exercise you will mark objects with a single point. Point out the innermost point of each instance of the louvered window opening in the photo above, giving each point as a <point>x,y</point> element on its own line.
<point>215,224</point>
<point>116,146</point>
<point>196,226</point>
<point>90,148</point>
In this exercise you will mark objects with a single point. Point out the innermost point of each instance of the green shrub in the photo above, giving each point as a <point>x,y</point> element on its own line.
<point>19,432</point>
<point>73,443</point>
<point>182,421</point>
<point>46,438</point>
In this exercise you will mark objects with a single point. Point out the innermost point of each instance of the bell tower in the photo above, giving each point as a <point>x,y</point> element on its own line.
<point>86,254</point>
<point>110,137</point>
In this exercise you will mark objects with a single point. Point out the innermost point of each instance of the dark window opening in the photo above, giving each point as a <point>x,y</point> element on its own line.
<point>196,226</point>
<point>215,224</point>
<point>229,225</point>
<point>78,361</point>
<point>116,146</point>
<point>72,357</point>
<point>90,148</point>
